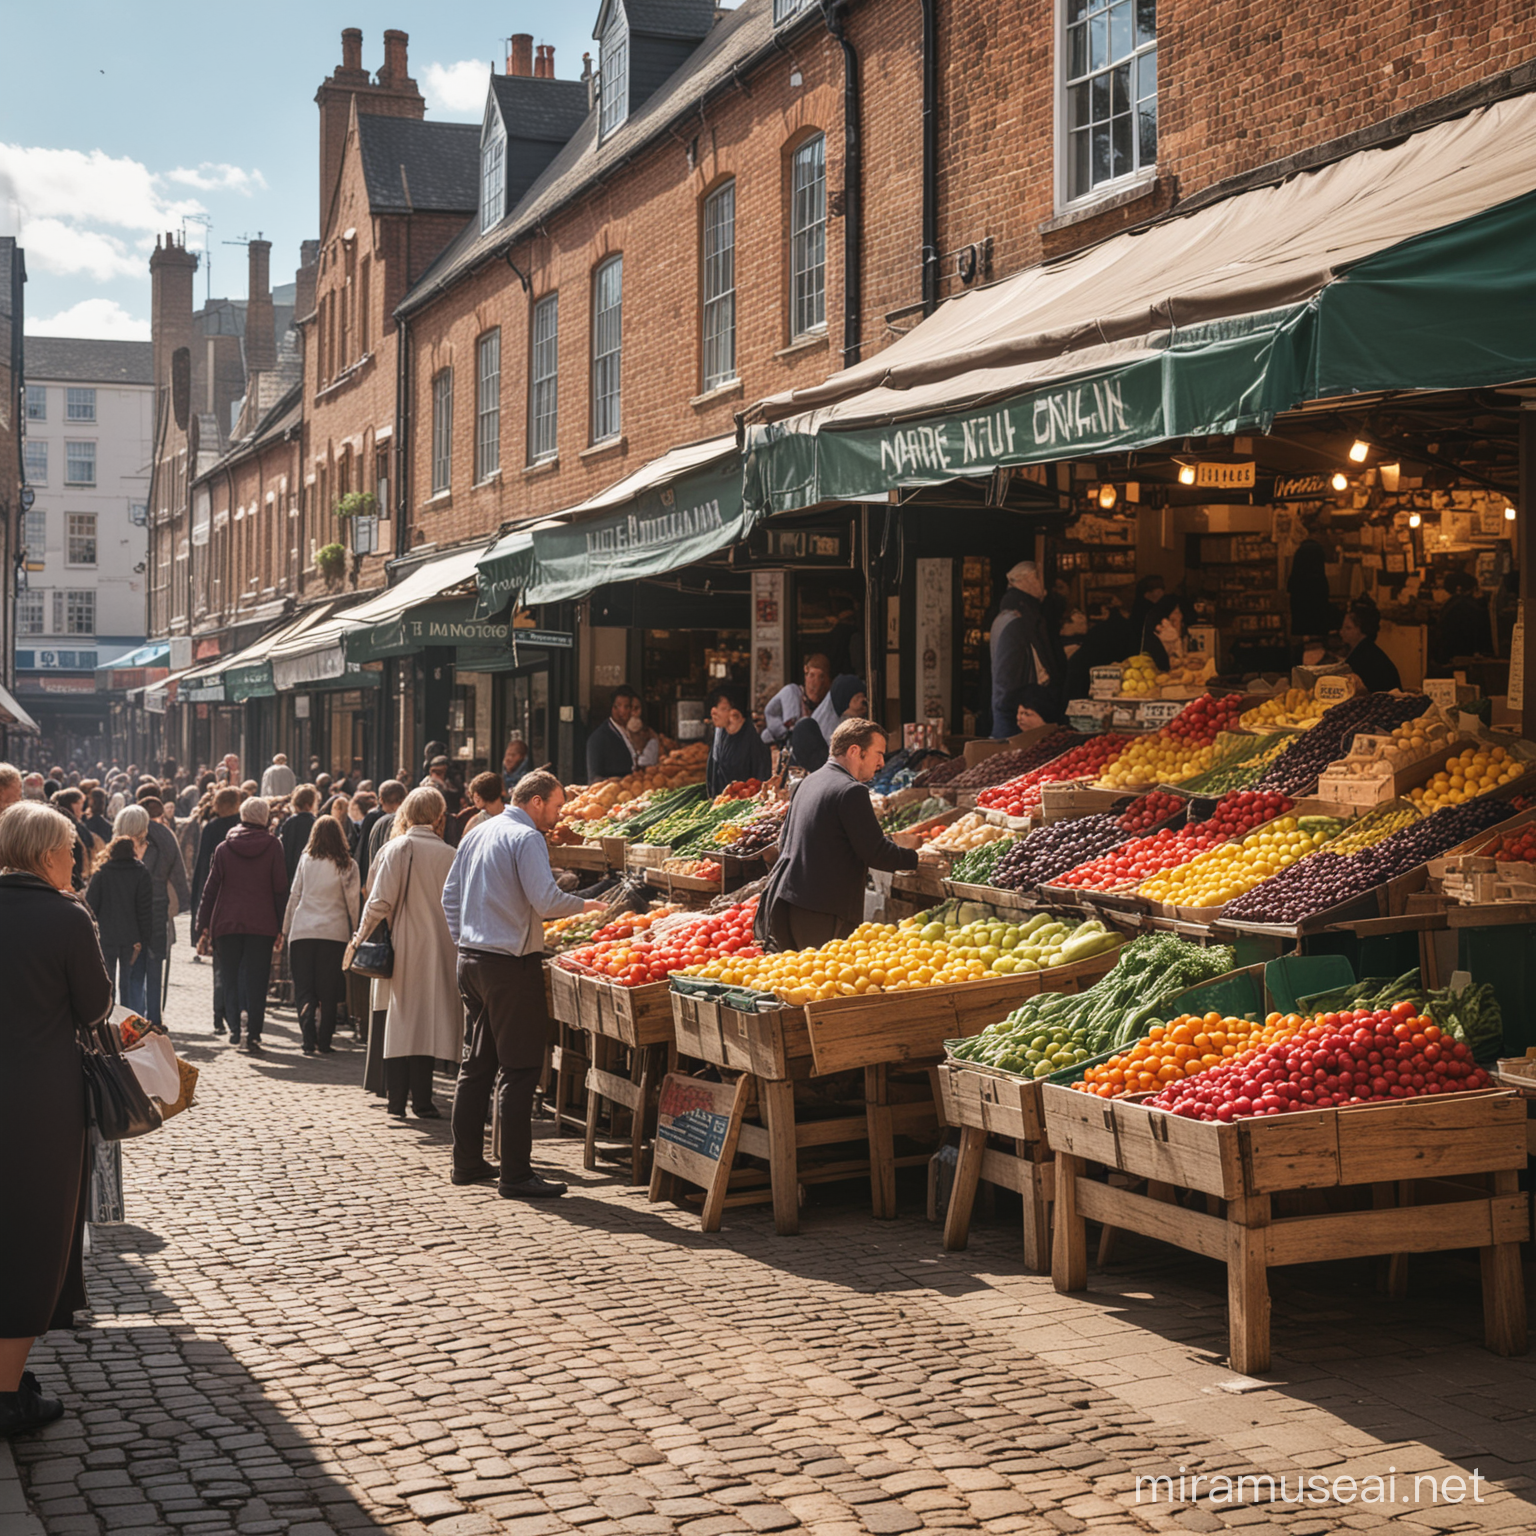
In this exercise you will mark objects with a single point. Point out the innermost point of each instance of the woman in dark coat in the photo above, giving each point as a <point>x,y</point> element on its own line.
<point>56,984</point>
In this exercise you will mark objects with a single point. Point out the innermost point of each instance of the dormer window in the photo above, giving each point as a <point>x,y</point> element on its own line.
<point>613,67</point>
<point>493,170</point>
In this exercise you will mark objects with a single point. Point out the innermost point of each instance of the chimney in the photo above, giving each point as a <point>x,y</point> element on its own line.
<point>395,69</point>
<point>544,64</point>
<point>520,58</point>
<point>352,50</point>
<point>172,269</point>
<point>304,280</point>
<point>589,80</point>
<point>260,328</point>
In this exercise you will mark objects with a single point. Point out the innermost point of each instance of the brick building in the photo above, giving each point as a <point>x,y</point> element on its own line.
<point>14,720</point>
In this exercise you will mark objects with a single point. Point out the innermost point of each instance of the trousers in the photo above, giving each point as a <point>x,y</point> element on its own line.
<point>792,927</point>
<point>408,1077</point>
<point>245,965</point>
<point>318,984</point>
<point>125,977</point>
<point>508,1028</point>
<point>148,973</point>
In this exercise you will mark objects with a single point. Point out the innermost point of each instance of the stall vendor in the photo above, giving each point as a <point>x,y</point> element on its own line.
<point>794,701</point>
<point>1463,628</point>
<point>737,751</point>
<point>610,753</point>
<point>848,699</point>
<point>1366,659</point>
<point>1162,637</point>
<point>1028,671</point>
<point>830,842</point>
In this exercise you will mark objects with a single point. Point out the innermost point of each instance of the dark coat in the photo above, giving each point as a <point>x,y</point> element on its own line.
<point>1374,667</point>
<point>1021,642</point>
<point>247,888</point>
<point>734,758</point>
<point>608,757</point>
<point>363,852</point>
<point>55,984</point>
<point>122,896</point>
<point>215,830</point>
<point>163,861</point>
<point>830,842</point>
<point>294,836</point>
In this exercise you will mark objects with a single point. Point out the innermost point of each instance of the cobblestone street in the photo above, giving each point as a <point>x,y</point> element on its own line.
<point>304,1328</point>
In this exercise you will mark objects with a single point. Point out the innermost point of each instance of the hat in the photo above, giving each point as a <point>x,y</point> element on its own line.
<point>439,762</point>
<point>845,690</point>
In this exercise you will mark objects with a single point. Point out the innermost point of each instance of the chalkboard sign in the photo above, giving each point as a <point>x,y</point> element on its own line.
<point>698,1124</point>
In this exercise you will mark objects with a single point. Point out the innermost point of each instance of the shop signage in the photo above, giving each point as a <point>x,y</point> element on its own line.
<point>804,546</point>
<point>550,639</point>
<point>1300,487</point>
<point>698,1124</point>
<point>1213,475</point>
<point>211,693</point>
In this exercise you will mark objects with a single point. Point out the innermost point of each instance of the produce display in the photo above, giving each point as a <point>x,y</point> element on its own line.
<point>695,869</point>
<point>1373,828</point>
<point>1223,873</point>
<point>1514,847</point>
<point>939,773</point>
<point>1402,747</point>
<point>742,839</point>
<point>1240,762</point>
<point>975,867</point>
<point>1294,707</point>
<point>1138,677</point>
<point>593,801</point>
<point>971,831</point>
<point>636,957</point>
<point>1150,972</point>
<point>1133,862</point>
<point>1169,1053</point>
<point>1298,767</point>
<point>1180,750</point>
<point>1050,851</point>
<point>885,957</point>
<point>1020,796</point>
<point>1468,775</point>
<point>1357,1057</point>
<point>1002,766</point>
<point>1319,884</point>
<point>1471,1015</point>
<point>907,816</point>
<point>691,830</point>
<point>635,817</point>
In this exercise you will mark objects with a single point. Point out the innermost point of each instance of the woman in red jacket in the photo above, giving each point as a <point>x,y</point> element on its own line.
<point>242,913</point>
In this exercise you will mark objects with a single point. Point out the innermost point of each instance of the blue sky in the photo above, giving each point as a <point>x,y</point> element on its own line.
<point>118,121</point>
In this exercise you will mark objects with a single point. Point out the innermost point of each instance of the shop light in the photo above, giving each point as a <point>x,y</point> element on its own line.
<point>1414,519</point>
<point>1186,474</point>
<point>1108,496</point>
<point>1509,514</point>
<point>1358,450</point>
<point>1340,481</point>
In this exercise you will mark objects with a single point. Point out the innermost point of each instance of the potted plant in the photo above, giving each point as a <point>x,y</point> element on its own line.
<point>357,504</point>
<point>330,561</point>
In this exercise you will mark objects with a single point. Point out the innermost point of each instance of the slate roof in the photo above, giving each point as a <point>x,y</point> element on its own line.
<point>71,360</point>
<point>735,43</point>
<point>549,111</point>
<point>662,18</point>
<point>440,161</point>
<point>287,413</point>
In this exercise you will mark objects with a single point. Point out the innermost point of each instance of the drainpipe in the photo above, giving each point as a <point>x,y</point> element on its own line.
<point>834,12</point>
<point>402,417</point>
<point>930,157</point>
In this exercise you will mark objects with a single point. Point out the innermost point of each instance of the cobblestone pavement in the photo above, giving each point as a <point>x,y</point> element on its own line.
<point>304,1328</point>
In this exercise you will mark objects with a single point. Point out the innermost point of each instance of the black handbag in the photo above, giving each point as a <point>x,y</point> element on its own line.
<point>375,957</point>
<point>116,1103</point>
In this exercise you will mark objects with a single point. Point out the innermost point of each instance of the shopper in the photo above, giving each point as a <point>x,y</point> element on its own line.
<point>122,896</point>
<point>70,802</point>
<point>321,914</point>
<point>439,778</point>
<point>222,818</point>
<point>497,898</point>
<point>1028,669</point>
<point>96,821</point>
<point>391,798</point>
<point>1162,636</point>
<point>56,985</point>
<point>847,699</point>
<point>278,779</point>
<point>1366,658</point>
<point>643,741</point>
<point>488,797</point>
<point>515,762</point>
<point>830,842</point>
<point>423,1018</point>
<point>10,785</point>
<point>1463,628</point>
<point>162,858</point>
<point>610,753</point>
<point>796,701</point>
<point>736,752</point>
<point>294,832</point>
<point>241,913</point>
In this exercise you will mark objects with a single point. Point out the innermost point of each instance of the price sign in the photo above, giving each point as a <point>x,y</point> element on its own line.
<point>1159,712</point>
<point>1336,687</point>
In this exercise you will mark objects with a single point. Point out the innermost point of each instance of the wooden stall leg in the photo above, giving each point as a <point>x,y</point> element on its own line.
<point>1069,1246</point>
<point>777,1098</point>
<point>644,1076</point>
<point>714,1198</point>
<point>1036,1194</point>
<point>602,1050</point>
<point>1504,1327</point>
<point>1248,1284</point>
<point>882,1148</point>
<point>962,1194</point>
<point>1392,1268</point>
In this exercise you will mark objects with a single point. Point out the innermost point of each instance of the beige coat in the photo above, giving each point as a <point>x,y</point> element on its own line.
<point>424,1015</point>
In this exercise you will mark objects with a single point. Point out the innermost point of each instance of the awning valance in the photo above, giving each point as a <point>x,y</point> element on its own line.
<point>675,509</point>
<point>1400,268</point>
<point>155,654</point>
<point>248,673</point>
<point>14,716</point>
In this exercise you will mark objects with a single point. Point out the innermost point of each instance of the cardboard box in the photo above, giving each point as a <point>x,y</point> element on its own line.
<point>982,748</point>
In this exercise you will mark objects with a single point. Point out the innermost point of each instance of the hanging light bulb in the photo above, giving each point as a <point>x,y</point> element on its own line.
<point>1358,450</point>
<point>1108,496</point>
<point>1509,514</point>
<point>1186,474</point>
<point>1414,519</point>
<point>1340,481</point>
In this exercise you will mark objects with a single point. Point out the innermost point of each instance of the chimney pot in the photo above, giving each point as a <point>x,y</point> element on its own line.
<point>549,61</point>
<point>395,42</point>
<point>352,48</point>
<point>520,59</point>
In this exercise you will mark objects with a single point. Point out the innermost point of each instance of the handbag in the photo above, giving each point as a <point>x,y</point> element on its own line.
<point>117,1105</point>
<point>375,956</point>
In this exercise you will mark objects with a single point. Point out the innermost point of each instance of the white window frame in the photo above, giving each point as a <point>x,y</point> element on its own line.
<point>1141,56</point>
<point>80,528</point>
<point>442,431</point>
<point>34,532</point>
<point>74,612</point>
<point>72,453</point>
<point>613,73</point>
<point>718,285</point>
<point>784,10</point>
<point>544,381</point>
<point>35,460</point>
<point>31,614</point>
<point>493,170</point>
<point>79,404</point>
<point>607,351</point>
<point>808,239</point>
<point>488,404</point>
<point>37,395</point>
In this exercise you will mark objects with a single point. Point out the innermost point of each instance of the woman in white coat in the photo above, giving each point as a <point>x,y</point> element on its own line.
<point>322,912</point>
<point>424,1016</point>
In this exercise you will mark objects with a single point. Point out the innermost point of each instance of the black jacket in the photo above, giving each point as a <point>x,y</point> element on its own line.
<point>363,852</point>
<point>122,895</point>
<point>830,842</point>
<point>1374,667</point>
<point>608,756</point>
<point>215,830</point>
<point>734,758</point>
<point>294,836</point>
<point>1021,638</point>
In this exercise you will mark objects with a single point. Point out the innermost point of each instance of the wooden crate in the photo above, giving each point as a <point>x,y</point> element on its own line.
<point>634,1016</point>
<point>615,851</point>
<point>585,856</point>
<point>765,1044</point>
<point>1440,1173</point>
<point>564,1002</point>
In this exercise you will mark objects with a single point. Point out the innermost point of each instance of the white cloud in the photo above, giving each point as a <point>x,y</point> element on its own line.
<point>54,246</point>
<point>98,319</point>
<point>91,188</point>
<point>212,176</point>
<point>460,87</point>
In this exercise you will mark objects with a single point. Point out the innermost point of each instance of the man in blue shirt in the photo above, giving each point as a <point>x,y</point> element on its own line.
<point>497,897</point>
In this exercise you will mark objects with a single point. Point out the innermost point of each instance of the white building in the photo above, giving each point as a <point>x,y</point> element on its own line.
<point>89,420</point>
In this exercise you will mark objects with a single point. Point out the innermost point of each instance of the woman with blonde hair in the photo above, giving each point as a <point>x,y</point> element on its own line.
<point>56,985</point>
<point>317,923</point>
<point>423,1016</point>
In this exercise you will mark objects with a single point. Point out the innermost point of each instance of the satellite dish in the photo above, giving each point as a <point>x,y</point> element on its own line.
<point>181,385</point>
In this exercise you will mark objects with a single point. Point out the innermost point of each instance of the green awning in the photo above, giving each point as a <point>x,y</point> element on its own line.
<point>252,682</point>
<point>505,571</point>
<point>1405,268</point>
<point>450,623</point>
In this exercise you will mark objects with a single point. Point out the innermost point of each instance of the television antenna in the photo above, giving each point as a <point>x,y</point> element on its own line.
<point>205,223</point>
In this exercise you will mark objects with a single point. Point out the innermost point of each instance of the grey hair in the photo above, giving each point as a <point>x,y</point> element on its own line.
<point>423,807</point>
<point>29,831</point>
<point>131,821</point>
<point>256,811</point>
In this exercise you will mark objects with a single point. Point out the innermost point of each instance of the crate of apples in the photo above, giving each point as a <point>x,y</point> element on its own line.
<point>636,958</point>
<point>1021,796</point>
<point>1180,750</point>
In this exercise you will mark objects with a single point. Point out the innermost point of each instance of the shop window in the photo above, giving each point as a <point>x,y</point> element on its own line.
<point>544,395</point>
<point>37,461</point>
<point>81,549</point>
<point>35,534</point>
<point>808,238</point>
<point>607,347</point>
<point>80,405</point>
<point>1109,74</point>
<point>37,403</point>
<point>74,613</point>
<point>80,463</point>
<point>720,287</point>
<point>613,72</point>
<point>29,613</point>
<point>488,405</point>
<point>493,169</point>
<point>442,431</point>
